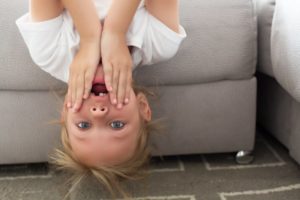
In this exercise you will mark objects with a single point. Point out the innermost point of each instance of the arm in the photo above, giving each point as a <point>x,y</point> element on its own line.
<point>83,12</point>
<point>83,67</point>
<point>41,10</point>
<point>116,58</point>
<point>120,15</point>
<point>87,23</point>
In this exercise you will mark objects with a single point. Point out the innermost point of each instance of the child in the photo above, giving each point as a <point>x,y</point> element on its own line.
<point>94,45</point>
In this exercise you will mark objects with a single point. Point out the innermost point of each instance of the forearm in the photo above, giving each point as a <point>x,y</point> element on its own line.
<point>120,15</point>
<point>85,18</point>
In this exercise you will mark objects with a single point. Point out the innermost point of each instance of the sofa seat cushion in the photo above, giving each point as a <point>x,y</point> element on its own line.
<point>221,45</point>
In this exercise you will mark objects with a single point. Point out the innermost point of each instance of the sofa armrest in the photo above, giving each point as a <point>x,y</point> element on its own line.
<point>285,46</point>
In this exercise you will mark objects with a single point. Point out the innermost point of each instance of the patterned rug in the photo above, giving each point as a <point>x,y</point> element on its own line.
<point>272,176</point>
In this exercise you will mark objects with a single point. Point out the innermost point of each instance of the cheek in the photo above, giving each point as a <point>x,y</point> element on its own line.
<point>80,150</point>
<point>71,140</point>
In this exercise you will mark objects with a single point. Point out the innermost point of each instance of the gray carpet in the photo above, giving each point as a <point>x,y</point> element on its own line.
<point>272,176</point>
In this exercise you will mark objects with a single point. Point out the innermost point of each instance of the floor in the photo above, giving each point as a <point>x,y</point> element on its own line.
<point>272,176</point>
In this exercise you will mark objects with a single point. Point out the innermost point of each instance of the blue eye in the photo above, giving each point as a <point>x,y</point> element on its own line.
<point>117,124</point>
<point>83,125</point>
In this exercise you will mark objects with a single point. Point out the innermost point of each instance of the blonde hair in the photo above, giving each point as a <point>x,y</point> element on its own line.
<point>111,177</point>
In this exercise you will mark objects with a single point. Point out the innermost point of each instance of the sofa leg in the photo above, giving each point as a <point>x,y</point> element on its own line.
<point>244,157</point>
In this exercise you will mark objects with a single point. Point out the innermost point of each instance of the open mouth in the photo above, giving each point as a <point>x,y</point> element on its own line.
<point>99,89</point>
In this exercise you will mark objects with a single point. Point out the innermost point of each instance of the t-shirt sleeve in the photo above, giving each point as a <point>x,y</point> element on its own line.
<point>159,42</point>
<point>163,43</point>
<point>52,44</point>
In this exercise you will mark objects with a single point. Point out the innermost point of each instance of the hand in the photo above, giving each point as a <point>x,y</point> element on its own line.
<point>117,66</point>
<point>82,72</point>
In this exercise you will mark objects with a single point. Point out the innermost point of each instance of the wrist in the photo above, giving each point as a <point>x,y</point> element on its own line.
<point>114,33</point>
<point>91,39</point>
<point>113,28</point>
<point>90,42</point>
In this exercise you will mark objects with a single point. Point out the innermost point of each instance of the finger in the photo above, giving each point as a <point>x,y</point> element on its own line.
<point>107,69</point>
<point>88,83</point>
<point>70,90</point>
<point>69,93</point>
<point>128,87</point>
<point>79,92</point>
<point>115,81</point>
<point>69,97</point>
<point>73,90</point>
<point>122,88</point>
<point>113,98</point>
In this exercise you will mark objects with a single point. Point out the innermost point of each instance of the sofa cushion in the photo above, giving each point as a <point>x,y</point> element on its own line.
<point>221,45</point>
<point>17,71</point>
<point>265,10</point>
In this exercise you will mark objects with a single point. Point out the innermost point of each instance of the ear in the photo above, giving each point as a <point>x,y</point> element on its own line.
<point>144,107</point>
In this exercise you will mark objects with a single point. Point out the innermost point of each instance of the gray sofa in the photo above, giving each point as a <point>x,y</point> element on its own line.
<point>207,91</point>
<point>278,109</point>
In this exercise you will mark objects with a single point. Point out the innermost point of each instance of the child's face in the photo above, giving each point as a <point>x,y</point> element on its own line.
<point>100,133</point>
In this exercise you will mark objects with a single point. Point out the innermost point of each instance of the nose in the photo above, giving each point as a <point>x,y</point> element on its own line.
<point>98,110</point>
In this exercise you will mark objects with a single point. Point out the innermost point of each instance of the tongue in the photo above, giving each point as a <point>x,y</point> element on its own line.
<point>97,88</point>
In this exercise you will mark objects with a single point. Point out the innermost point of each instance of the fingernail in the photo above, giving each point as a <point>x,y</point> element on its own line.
<point>115,101</point>
<point>69,105</point>
<point>126,100</point>
<point>109,88</point>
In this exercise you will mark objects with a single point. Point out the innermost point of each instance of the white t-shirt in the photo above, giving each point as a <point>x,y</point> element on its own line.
<point>53,43</point>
